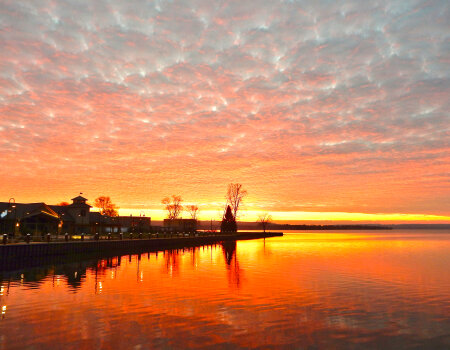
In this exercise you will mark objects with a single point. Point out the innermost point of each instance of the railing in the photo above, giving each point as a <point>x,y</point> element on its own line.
<point>28,238</point>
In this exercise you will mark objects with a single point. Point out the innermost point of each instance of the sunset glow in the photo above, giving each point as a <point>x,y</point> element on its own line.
<point>323,111</point>
<point>300,217</point>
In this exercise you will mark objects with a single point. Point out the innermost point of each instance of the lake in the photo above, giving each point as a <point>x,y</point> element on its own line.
<point>306,290</point>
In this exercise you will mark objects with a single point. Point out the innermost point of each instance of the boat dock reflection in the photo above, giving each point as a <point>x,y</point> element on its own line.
<point>73,274</point>
<point>16,256</point>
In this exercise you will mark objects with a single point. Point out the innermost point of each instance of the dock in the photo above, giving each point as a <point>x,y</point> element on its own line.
<point>15,256</point>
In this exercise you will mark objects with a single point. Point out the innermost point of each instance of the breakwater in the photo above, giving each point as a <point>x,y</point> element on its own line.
<point>15,256</point>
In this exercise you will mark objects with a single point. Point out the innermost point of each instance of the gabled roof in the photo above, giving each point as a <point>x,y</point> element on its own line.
<point>63,212</point>
<point>24,210</point>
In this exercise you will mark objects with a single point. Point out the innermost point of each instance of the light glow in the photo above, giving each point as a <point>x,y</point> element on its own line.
<point>305,217</point>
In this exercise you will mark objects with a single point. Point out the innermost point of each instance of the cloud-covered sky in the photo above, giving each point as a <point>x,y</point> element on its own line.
<point>322,106</point>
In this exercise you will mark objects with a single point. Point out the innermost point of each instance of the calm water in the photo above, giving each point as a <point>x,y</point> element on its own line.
<point>359,290</point>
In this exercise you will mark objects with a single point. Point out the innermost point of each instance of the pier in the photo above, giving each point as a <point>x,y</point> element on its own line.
<point>14,256</point>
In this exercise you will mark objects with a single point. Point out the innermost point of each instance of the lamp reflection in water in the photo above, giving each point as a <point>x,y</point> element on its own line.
<point>97,286</point>
<point>3,288</point>
<point>138,269</point>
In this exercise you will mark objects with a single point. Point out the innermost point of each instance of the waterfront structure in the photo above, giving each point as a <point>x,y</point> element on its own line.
<point>75,218</point>
<point>183,225</point>
<point>134,224</point>
<point>33,218</point>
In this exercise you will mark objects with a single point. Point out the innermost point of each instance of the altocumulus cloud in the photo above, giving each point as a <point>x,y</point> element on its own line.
<point>336,105</point>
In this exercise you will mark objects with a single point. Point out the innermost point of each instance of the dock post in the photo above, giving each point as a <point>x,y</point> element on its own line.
<point>109,236</point>
<point>82,236</point>
<point>66,237</point>
<point>96,236</point>
<point>120,235</point>
<point>5,238</point>
<point>48,237</point>
<point>131,235</point>
<point>140,235</point>
<point>28,238</point>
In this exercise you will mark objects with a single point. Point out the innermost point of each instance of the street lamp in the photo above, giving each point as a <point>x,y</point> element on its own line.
<point>12,204</point>
<point>141,215</point>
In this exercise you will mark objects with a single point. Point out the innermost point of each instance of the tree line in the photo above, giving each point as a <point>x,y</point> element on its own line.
<point>174,207</point>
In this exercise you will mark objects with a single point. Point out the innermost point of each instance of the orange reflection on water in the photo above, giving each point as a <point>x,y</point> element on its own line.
<point>299,290</point>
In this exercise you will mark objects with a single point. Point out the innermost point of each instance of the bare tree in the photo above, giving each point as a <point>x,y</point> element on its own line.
<point>235,195</point>
<point>173,206</point>
<point>264,219</point>
<point>193,211</point>
<point>106,206</point>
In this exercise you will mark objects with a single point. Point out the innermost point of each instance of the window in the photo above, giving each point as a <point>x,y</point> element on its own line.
<point>83,212</point>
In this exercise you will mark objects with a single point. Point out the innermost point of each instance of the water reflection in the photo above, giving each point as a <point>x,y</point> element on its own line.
<point>171,262</point>
<point>299,291</point>
<point>74,274</point>
<point>232,264</point>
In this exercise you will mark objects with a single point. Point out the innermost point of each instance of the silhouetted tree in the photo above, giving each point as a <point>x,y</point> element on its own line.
<point>228,222</point>
<point>264,219</point>
<point>235,195</point>
<point>193,211</point>
<point>173,206</point>
<point>106,206</point>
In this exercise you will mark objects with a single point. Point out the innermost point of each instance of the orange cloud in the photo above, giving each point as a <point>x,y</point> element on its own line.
<point>312,108</point>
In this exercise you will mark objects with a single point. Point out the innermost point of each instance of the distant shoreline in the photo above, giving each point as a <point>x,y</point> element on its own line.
<point>329,227</point>
<point>242,225</point>
<point>361,227</point>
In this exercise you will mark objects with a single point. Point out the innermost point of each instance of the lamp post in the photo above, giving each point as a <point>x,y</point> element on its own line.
<point>132,223</point>
<point>141,215</point>
<point>12,204</point>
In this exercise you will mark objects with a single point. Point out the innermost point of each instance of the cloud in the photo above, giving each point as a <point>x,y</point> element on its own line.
<point>328,104</point>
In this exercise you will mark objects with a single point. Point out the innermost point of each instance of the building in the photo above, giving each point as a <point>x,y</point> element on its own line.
<point>181,225</point>
<point>33,218</point>
<point>75,218</point>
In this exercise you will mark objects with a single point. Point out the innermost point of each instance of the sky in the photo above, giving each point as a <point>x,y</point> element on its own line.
<point>323,110</point>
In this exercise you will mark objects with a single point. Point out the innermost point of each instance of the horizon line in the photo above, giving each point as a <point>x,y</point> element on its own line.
<point>300,217</point>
